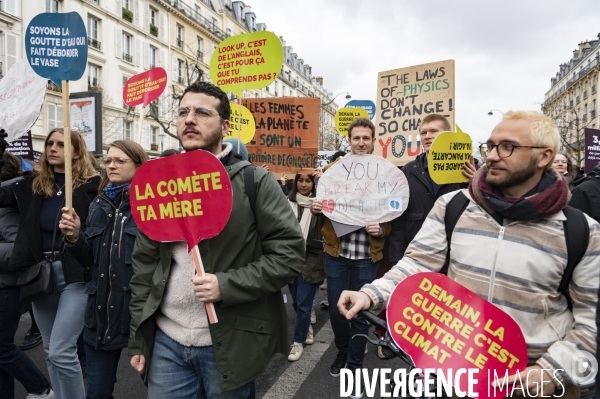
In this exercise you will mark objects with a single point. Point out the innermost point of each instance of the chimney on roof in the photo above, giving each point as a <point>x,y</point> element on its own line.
<point>319,80</point>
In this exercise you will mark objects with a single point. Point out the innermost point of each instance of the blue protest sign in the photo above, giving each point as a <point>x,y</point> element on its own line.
<point>367,105</point>
<point>56,46</point>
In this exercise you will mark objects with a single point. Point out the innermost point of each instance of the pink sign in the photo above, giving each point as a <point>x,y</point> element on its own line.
<point>145,87</point>
<point>443,325</point>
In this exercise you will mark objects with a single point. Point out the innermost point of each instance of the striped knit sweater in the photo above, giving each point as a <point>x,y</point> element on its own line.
<point>519,265</point>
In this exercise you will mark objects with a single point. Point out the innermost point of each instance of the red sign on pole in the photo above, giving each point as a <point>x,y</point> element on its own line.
<point>145,87</point>
<point>443,325</point>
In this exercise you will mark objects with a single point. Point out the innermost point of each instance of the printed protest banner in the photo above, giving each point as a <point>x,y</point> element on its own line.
<point>447,155</point>
<point>145,87</point>
<point>248,61</point>
<point>183,197</point>
<point>83,118</point>
<point>22,94</point>
<point>592,149</point>
<point>324,158</point>
<point>360,189</point>
<point>443,325</point>
<point>241,122</point>
<point>56,46</point>
<point>23,146</point>
<point>345,116</point>
<point>367,105</point>
<point>287,133</point>
<point>404,97</point>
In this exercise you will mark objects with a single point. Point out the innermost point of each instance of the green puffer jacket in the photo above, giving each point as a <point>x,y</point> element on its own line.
<point>253,260</point>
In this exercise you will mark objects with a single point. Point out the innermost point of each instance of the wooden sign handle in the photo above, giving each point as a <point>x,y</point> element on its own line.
<point>68,149</point>
<point>210,307</point>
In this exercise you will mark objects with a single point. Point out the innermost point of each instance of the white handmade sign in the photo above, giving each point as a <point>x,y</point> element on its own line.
<point>360,189</point>
<point>22,94</point>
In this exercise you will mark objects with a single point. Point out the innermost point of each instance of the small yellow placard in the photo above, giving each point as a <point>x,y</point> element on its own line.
<point>244,62</point>
<point>447,156</point>
<point>241,121</point>
<point>345,116</point>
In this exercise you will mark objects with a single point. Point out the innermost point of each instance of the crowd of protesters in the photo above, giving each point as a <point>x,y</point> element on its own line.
<point>115,288</point>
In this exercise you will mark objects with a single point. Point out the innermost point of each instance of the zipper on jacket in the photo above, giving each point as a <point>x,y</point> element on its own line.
<point>121,235</point>
<point>493,271</point>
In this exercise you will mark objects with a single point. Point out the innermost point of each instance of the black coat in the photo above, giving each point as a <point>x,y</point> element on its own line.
<point>586,194</point>
<point>421,200</point>
<point>27,249</point>
<point>9,224</point>
<point>107,244</point>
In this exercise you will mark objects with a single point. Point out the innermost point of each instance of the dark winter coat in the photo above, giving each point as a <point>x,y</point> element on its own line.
<point>107,244</point>
<point>9,224</point>
<point>586,194</point>
<point>28,244</point>
<point>422,198</point>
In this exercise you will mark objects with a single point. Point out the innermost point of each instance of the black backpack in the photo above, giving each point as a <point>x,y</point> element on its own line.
<point>577,234</point>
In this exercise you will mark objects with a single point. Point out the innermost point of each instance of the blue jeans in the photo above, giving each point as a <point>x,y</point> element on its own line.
<point>184,372</point>
<point>14,364</point>
<point>347,274</point>
<point>302,296</point>
<point>59,317</point>
<point>101,372</point>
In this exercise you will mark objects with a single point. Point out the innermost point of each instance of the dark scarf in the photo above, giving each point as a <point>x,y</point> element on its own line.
<point>549,197</point>
<point>111,191</point>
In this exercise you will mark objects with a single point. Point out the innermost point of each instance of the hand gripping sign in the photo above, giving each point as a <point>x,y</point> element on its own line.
<point>442,325</point>
<point>447,156</point>
<point>249,61</point>
<point>183,197</point>
<point>360,189</point>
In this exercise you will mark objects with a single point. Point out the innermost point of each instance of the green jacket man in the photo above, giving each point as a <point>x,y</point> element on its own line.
<point>247,264</point>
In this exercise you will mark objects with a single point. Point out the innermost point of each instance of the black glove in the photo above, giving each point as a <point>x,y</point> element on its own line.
<point>3,143</point>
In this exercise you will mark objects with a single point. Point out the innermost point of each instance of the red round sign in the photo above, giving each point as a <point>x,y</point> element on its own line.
<point>443,325</point>
<point>182,197</point>
<point>145,87</point>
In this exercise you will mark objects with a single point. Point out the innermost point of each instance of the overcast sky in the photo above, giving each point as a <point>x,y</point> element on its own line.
<point>505,51</point>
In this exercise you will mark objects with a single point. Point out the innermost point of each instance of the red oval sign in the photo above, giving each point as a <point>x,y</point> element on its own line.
<point>145,87</point>
<point>443,325</point>
<point>182,197</point>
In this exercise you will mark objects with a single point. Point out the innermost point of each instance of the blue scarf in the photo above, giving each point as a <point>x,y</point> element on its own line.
<point>111,191</point>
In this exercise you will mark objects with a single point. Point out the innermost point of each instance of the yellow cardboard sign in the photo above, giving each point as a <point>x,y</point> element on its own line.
<point>244,62</point>
<point>241,121</point>
<point>345,116</point>
<point>447,156</point>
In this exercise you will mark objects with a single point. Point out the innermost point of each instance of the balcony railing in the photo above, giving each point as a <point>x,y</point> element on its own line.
<point>199,19</point>
<point>94,84</point>
<point>180,44</point>
<point>94,43</point>
<point>127,57</point>
<point>199,55</point>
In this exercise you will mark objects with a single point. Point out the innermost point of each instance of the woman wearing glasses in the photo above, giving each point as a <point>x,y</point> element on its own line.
<point>107,244</point>
<point>40,198</point>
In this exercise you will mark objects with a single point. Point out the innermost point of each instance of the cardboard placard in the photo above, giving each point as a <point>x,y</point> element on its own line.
<point>56,46</point>
<point>441,324</point>
<point>367,105</point>
<point>248,61</point>
<point>242,122</point>
<point>447,155</point>
<point>23,146</point>
<point>145,87</point>
<point>287,133</point>
<point>22,94</point>
<point>592,149</point>
<point>405,96</point>
<point>361,189</point>
<point>345,116</point>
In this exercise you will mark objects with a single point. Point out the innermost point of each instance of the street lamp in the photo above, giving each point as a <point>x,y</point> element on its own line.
<point>493,109</point>
<point>348,97</point>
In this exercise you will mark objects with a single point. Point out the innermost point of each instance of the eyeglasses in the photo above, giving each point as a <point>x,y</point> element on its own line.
<point>201,113</point>
<point>118,161</point>
<point>503,149</point>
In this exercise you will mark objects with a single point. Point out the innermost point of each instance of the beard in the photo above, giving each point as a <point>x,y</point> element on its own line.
<point>206,141</point>
<point>513,178</point>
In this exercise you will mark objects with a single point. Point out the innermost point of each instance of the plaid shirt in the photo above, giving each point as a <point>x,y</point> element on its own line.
<point>356,245</point>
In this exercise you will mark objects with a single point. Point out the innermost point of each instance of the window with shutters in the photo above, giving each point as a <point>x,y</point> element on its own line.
<point>180,71</point>
<point>127,130</point>
<point>9,6</point>
<point>127,39</point>
<point>94,77</point>
<point>51,5</point>
<point>153,135</point>
<point>200,44</point>
<point>127,5</point>
<point>154,22</point>
<point>93,32</point>
<point>179,37</point>
<point>153,58</point>
<point>54,116</point>
<point>11,50</point>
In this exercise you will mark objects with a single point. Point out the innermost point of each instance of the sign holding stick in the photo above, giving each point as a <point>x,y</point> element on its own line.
<point>183,197</point>
<point>57,49</point>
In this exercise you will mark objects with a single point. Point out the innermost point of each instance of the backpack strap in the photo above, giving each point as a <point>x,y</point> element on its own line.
<point>455,207</point>
<point>249,186</point>
<point>577,234</point>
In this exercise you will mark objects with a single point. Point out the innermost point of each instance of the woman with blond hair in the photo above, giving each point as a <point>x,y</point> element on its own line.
<point>40,197</point>
<point>109,222</point>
